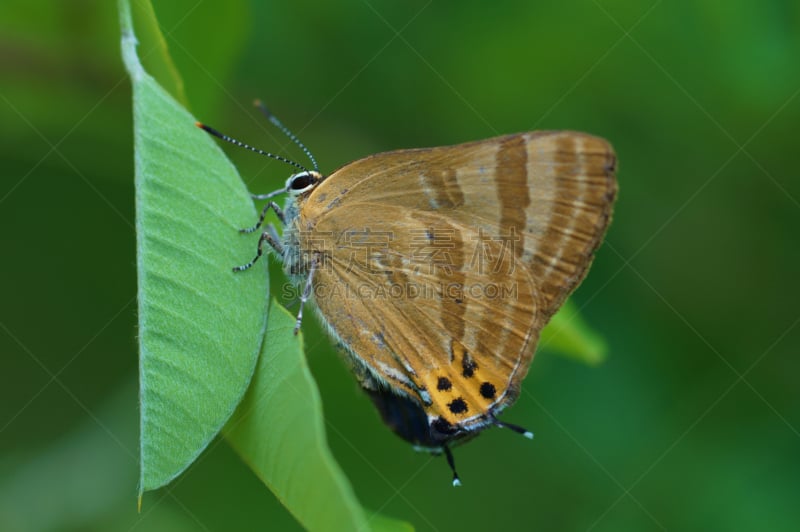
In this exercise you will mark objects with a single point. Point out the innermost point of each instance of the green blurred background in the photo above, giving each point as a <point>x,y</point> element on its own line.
<point>693,422</point>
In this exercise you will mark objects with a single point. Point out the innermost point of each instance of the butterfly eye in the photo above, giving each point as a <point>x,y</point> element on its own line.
<point>301,182</point>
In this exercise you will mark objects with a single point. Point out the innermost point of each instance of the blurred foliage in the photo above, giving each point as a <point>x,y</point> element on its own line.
<point>691,423</point>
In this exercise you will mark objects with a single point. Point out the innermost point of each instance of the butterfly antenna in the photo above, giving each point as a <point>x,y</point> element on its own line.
<point>277,123</point>
<point>226,138</point>
<point>516,428</point>
<point>452,463</point>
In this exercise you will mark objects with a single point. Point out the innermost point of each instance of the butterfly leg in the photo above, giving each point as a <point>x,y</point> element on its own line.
<point>269,206</point>
<point>452,463</point>
<point>270,236</point>
<point>306,292</point>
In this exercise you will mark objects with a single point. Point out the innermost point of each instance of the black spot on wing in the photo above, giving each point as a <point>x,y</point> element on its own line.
<point>488,390</point>
<point>458,406</point>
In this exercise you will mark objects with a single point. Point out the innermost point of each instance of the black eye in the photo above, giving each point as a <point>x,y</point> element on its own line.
<point>301,182</point>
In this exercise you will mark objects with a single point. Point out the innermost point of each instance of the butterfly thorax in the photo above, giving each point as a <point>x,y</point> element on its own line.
<point>293,263</point>
<point>296,260</point>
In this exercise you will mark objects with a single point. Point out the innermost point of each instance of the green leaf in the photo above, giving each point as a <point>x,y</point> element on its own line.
<point>569,335</point>
<point>200,325</point>
<point>279,432</point>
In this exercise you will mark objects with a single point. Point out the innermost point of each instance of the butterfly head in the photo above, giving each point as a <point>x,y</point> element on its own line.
<point>303,182</point>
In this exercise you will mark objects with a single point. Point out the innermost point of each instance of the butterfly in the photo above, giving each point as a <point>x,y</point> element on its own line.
<point>436,269</point>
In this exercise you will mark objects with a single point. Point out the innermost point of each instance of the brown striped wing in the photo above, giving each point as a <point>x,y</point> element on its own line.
<point>443,264</point>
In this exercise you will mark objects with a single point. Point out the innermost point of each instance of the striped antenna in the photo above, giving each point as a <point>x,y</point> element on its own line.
<point>277,123</point>
<point>241,144</point>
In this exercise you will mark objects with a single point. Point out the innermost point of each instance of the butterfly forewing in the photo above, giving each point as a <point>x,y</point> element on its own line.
<point>442,265</point>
